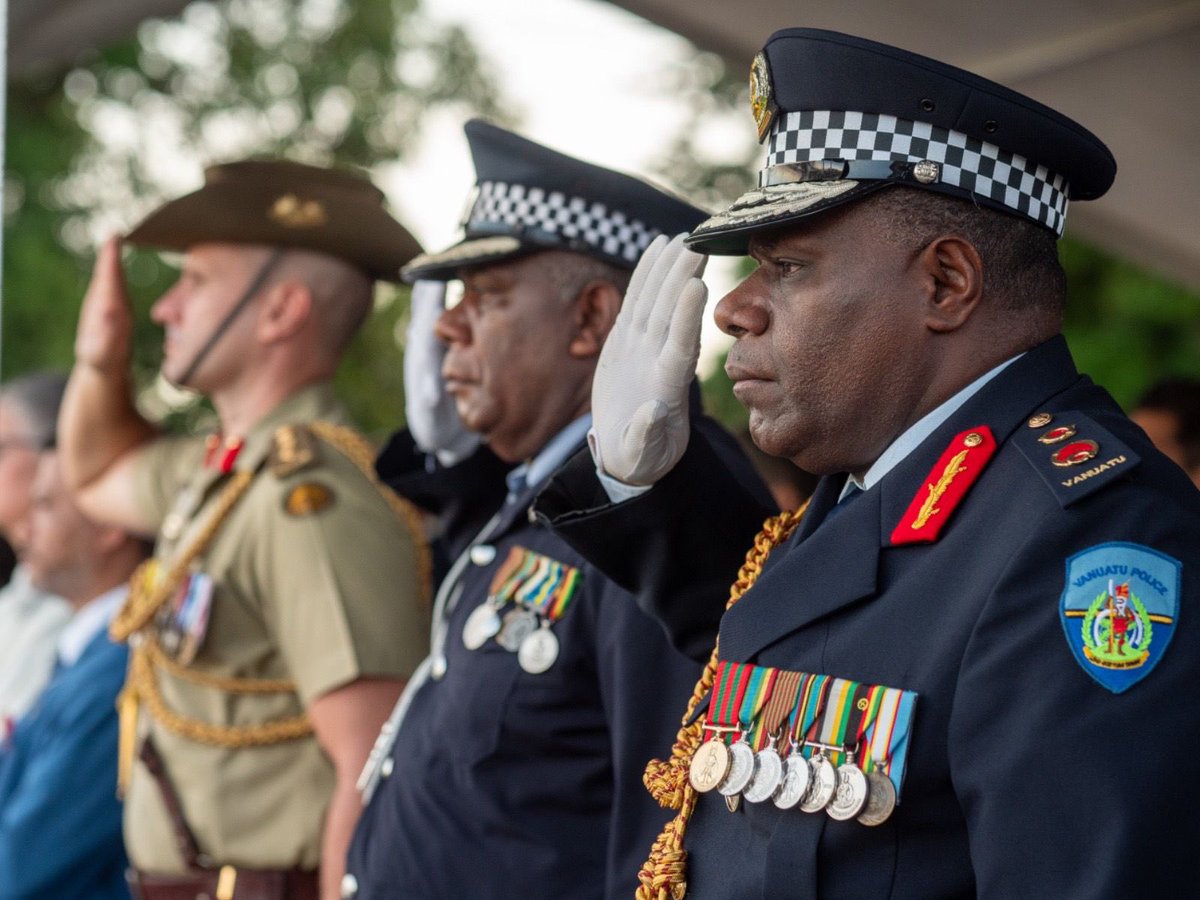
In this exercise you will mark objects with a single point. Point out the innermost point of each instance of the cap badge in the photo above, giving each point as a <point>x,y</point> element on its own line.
<point>1118,610</point>
<point>292,212</point>
<point>762,104</point>
<point>926,171</point>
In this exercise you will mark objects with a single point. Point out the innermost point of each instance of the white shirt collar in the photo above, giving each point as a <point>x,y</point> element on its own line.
<point>912,438</point>
<point>87,623</point>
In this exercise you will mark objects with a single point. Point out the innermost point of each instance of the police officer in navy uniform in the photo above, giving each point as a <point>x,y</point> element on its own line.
<point>512,765</point>
<point>985,517</point>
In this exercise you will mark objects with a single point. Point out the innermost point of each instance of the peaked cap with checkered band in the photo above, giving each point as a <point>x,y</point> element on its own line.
<point>528,197</point>
<point>842,117</point>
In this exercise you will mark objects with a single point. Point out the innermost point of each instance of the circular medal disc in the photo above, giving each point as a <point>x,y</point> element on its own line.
<point>851,794</point>
<point>518,625</point>
<point>538,651</point>
<point>741,769</point>
<point>881,799</point>
<point>482,623</point>
<point>796,777</point>
<point>710,765</point>
<point>768,772</point>
<point>822,787</point>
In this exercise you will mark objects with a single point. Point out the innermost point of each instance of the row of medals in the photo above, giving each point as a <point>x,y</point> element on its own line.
<point>844,792</point>
<point>520,631</point>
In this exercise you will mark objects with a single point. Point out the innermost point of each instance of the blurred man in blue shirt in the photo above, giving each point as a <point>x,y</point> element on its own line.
<point>60,819</point>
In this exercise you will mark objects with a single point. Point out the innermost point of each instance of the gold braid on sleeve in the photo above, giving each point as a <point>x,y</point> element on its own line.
<point>664,874</point>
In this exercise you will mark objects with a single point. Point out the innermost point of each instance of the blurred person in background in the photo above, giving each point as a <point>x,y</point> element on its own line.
<point>1169,413</point>
<point>60,819</point>
<point>30,619</point>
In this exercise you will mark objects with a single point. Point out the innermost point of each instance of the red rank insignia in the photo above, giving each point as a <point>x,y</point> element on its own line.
<point>946,485</point>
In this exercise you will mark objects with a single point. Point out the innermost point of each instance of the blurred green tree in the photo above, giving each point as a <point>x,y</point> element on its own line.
<point>90,150</point>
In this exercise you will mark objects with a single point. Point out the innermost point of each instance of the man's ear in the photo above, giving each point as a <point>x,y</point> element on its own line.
<point>952,269</point>
<point>596,310</point>
<point>286,308</point>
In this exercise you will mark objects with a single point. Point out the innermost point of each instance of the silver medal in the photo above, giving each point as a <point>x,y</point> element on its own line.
<point>822,786</point>
<point>796,776</point>
<point>539,650</point>
<point>482,623</point>
<point>518,624</point>
<point>881,799</point>
<point>768,772</point>
<point>851,794</point>
<point>741,769</point>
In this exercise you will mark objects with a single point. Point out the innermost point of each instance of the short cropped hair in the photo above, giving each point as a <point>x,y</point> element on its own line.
<point>572,272</point>
<point>1022,272</point>
<point>38,395</point>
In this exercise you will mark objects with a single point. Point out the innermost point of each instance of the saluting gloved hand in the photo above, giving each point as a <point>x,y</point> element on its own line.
<point>640,392</point>
<point>432,418</point>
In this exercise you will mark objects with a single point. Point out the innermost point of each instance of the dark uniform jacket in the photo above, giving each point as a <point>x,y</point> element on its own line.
<point>1026,777</point>
<point>509,784</point>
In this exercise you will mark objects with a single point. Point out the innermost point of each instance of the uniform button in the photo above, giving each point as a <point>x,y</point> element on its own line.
<point>483,554</point>
<point>439,668</point>
<point>349,887</point>
<point>386,769</point>
<point>1040,420</point>
<point>531,516</point>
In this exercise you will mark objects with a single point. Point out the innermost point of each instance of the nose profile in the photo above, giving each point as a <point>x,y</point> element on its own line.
<point>452,327</point>
<point>739,313</point>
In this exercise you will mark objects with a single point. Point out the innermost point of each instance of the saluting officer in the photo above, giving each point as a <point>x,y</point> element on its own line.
<point>921,688</point>
<point>284,608</point>
<point>512,765</point>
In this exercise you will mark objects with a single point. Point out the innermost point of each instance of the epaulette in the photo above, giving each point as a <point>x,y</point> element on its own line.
<point>1073,453</point>
<point>293,448</point>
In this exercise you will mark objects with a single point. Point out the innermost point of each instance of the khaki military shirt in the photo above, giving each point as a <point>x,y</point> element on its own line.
<point>320,597</point>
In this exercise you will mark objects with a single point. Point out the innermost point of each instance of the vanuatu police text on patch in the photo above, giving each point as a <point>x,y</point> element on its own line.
<point>1118,609</point>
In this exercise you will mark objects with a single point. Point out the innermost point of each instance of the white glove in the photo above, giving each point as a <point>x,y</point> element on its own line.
<point>432,418</point>
<point>640,392</point>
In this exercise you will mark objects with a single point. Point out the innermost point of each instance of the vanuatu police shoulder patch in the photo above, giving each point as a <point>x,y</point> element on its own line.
<point>1118,609</point>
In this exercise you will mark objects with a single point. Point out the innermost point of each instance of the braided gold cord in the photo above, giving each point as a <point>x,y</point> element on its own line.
<point>358,450</point>
<point>146,598</point>
<point>227,684</point>
<point>142,685</point>
<point>664,874</point>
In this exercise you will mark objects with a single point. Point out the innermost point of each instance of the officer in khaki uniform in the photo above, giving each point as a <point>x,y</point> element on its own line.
<point>286,603</point>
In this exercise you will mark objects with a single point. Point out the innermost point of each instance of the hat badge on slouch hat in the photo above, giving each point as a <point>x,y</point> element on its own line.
<point>843,117</point>
<point>528,197</point>
<point>281,203</point>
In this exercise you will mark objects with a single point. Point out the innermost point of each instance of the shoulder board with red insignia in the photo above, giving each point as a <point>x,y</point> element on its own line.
<point>1074,455</point>
<point>946,486</point>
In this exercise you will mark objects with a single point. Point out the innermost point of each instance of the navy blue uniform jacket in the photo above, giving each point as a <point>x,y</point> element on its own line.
<point>60,820</point>
<point>508,784</point>
<point>1026,777</point>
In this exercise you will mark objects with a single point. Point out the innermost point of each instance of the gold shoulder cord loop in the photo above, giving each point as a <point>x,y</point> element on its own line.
<point>664,874</point>
<point>356,448</point>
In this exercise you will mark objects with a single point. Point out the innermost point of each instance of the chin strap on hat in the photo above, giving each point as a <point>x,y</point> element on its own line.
<point>256,283</point>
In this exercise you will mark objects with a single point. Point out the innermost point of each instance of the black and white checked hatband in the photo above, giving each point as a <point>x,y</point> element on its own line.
<point>555,217</point>
<point>965,163</point>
